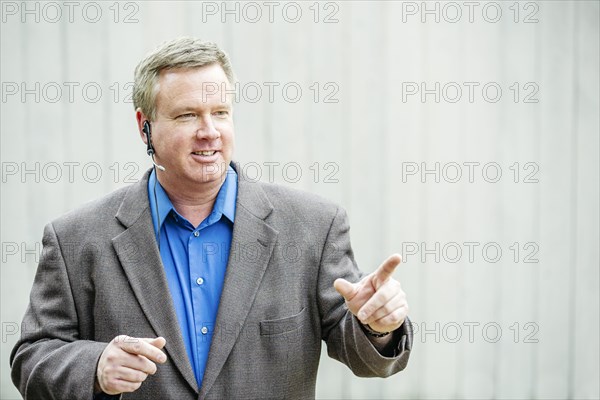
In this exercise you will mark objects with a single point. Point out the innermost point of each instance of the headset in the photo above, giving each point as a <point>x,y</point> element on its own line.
<point>150,151</point>
<point>147,129</point>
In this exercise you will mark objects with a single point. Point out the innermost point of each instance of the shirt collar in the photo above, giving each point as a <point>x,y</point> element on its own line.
<point>228,194</point>
<point>225,203</point>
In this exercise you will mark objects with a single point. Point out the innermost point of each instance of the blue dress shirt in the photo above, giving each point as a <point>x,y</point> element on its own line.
<point>195,259</point>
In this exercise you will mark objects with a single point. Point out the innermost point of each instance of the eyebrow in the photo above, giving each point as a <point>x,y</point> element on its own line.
<point>192,108</point>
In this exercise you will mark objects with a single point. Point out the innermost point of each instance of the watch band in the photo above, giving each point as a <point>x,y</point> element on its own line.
<point>369,331</point>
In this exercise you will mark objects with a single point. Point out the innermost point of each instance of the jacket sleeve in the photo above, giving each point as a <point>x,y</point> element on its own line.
<point>50,361</point>
<point>341,330</point>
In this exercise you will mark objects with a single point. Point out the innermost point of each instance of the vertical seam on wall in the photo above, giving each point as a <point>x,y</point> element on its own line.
<point>573,207</point>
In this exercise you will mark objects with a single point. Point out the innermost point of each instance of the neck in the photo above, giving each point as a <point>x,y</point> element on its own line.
<point>193,201</point>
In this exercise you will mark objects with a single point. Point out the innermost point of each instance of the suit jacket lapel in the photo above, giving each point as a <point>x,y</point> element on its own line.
<point>251,247</point>
<point>138,253</point>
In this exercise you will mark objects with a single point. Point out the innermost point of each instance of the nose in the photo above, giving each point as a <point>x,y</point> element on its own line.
<point>207,130</point>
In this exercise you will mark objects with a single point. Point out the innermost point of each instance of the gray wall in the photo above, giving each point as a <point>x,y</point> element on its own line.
<point>540,294</point>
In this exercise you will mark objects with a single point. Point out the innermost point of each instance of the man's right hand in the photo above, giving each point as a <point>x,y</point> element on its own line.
<point>126,362</point>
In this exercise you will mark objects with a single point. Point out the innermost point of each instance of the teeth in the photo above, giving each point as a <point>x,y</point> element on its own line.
<point>205,153</point>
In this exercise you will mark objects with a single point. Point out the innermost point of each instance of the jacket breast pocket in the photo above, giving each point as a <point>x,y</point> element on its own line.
<point>280,326</point>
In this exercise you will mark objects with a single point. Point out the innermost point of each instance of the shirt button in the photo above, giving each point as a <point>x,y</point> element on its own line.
<point>199,281</point>
<point>196,233</point>
<point>204,330</point>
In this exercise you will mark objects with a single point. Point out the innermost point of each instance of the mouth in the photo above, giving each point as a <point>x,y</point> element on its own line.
<point>205,156</point>
<point>206,153</point>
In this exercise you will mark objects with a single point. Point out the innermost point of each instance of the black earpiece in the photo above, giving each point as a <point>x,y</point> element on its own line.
<point>149,147</point>
<point>148,131</point>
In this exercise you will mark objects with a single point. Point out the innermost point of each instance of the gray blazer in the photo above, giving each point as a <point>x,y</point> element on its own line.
<point>101,275</point>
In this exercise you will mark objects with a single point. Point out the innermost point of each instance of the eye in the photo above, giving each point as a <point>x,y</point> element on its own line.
<point>186,116</point>
<point>221,113</point>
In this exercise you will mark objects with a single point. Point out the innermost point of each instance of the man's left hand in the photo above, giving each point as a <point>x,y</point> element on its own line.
<point>377,299</point>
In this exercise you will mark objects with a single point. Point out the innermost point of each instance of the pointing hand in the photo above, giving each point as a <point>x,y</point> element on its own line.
<point>377,299</point>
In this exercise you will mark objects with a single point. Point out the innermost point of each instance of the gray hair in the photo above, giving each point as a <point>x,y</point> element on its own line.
<point>185,52</point>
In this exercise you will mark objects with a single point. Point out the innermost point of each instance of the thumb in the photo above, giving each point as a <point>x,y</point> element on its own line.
<point>345,288</point>
<point>158,342</point>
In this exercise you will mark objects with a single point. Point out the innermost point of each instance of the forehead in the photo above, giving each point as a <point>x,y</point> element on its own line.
<point>205,84</point>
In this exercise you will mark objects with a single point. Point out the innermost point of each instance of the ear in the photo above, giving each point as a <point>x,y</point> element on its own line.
<point>140,117</point>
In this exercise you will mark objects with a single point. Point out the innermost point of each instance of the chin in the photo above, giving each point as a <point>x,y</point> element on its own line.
<point>209,174</point>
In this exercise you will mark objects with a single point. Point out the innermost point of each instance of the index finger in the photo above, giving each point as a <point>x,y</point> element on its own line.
<point>387,268</point>
<point>158,342</point>
<point>142,347</point>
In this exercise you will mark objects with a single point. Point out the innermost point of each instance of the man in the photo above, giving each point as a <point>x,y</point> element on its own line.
<point>197,282</point>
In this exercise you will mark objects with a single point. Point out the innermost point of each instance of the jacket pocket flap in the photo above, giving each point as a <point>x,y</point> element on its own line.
<point>281,325</point>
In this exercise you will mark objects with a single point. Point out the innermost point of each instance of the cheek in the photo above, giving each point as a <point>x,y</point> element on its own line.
<point>174,146</point>
<point>228,137</point>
